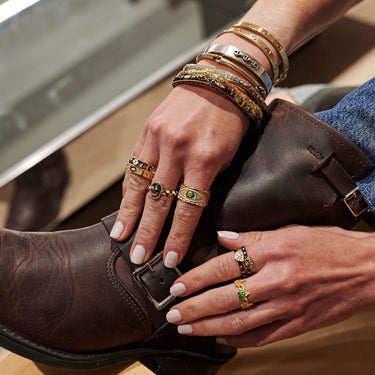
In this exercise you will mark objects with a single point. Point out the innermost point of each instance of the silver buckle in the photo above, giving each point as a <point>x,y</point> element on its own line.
<point>148,266</point>
<point>354,194</point>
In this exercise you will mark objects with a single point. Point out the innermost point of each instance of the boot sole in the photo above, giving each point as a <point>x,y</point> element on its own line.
<point>166,360</point>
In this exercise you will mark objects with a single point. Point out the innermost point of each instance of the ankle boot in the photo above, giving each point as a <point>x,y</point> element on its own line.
<point>74,300</point>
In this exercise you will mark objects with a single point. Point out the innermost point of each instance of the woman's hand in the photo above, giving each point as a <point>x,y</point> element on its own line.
<point>189,138</point>
<point>303,278</point>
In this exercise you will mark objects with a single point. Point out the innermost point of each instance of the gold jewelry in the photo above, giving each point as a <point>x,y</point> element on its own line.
<point>244,60</point>
<point>242,294</point>
<point>254,39</point>
<point>193,196</point>
<point>259,85</point>
<point>156,190</point>
<point>272,40</point>
<point>244,261</point>
<point>232,79</point>
<point>231,91</point>
<point>141,164</point>
<point>139,171</point>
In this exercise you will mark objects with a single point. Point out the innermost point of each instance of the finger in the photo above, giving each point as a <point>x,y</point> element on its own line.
<point>216,270</point>
<point>136,152</point>
<point>134,198</point>
<point>232,323</point>
<point>218,301</point>
<point>263,335</point>
<point>155,211</point>
<point>186,216</point>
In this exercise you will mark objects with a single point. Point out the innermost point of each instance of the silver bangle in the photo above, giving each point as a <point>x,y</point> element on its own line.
<point>244,59</point>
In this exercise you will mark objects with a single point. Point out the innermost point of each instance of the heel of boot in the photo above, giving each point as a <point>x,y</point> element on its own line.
<point>180,364</point>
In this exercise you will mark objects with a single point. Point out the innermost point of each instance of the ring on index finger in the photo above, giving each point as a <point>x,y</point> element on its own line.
<point>245,262</point>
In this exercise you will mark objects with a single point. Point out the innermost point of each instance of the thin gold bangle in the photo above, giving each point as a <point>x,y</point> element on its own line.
<point>231,91</point>
<point>259,85</point>
<point>271,39</point>
<point>254,39</point>
<point>232,79</point>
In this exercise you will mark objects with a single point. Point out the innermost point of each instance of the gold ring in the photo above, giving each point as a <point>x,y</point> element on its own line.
<point>156,190</point>
<point>242,294</point>
<point>195,196</point>
<point>139,171</point>
<point>141,164</point>
<point>244,261</point>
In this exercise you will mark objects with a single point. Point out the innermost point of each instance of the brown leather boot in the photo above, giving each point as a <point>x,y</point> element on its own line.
<point>73,299</point>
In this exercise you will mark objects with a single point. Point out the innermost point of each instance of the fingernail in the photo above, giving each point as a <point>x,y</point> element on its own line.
<point>185,329</point>
<point>177,289</point>
<point>138,254</point>
<point>221,340</point>
<point>173,316</point>
<point>171,259</point>
<point>228,235</point>
<point>117,230</point>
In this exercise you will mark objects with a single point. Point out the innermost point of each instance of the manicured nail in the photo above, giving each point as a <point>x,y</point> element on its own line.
<point>138,254</point>
<point>177,289</point>
<point>221,340</point>
<point>173,316</point>
<point>228,235</point>
<point>171,259</point>
<point>117,230</point>
<point>185,329</point>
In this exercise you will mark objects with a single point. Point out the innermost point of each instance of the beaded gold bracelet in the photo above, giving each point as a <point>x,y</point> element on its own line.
<point>272,40</point>
<point>254,39</point>
<point>259,86</point>
<point>220,84</point>
<point>234,80</point>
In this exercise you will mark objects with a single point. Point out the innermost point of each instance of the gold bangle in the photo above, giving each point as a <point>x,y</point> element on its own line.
<point>272,40</point>
<point>254,39</point>
<point>230,79</point>
<point>259,86</point>
<point>233,93</point>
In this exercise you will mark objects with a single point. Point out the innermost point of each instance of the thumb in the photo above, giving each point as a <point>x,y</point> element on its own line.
<point>233,240</point>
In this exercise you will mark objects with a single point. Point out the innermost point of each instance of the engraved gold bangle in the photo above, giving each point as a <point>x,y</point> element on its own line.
<point>231,91</point>
<point>194,196</point>
<point>242,294</point>
<point>139,171</point>
<point>244,60</point>
<point>254,39</point>
<point>272,40</point>
<point>233,79</point>
<point>259,85</point>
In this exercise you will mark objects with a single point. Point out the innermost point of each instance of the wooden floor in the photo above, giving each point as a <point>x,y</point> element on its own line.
<point>344,54</point>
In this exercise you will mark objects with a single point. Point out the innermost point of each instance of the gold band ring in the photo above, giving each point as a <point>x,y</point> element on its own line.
<point>194,196</point>
<point>245,262</point>
<point>242,294</point>
<point>139,171</point>
<point>156,190</point>
<point>141,164</point>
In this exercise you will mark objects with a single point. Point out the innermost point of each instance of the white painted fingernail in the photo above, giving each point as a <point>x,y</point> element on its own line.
<point>185,329</point>
<point>138,254</point>
<point>171,259</point>
<point>221,340</point>
<point>228,235</point>
<point>117,230</point>
<point>177,289</point>
<point>173,316</point>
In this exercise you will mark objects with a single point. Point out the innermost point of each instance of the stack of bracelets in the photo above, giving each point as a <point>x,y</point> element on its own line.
<point>251,87</point>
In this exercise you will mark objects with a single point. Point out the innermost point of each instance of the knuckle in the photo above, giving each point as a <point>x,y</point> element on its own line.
<point>224,268</point>
<point>137,185</point>
<point>238,325</point>
<point>223,302</point>
<point>155,125</point>
<point>129,210</point>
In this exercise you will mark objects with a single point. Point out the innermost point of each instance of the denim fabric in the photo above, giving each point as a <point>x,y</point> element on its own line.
<point>354,116</point>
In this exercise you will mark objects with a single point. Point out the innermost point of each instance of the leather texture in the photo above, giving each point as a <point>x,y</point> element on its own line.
<point>75,292</point>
